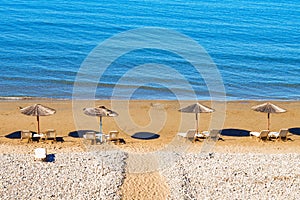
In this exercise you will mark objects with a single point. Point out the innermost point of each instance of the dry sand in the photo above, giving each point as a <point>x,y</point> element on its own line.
<point>165,116</point>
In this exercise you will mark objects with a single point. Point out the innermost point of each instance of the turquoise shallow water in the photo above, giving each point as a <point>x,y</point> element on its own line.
<point>254,44</point>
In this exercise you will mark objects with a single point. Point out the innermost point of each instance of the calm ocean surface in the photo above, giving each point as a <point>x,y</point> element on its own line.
<point>254,44</point>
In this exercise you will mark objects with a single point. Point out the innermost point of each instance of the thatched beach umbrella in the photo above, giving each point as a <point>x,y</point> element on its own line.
<point>37,110</point>
<point>100,111</point>
<point>268,108</point>
<point>196,108</point>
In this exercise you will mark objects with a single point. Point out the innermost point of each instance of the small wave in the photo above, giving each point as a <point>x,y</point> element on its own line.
<point>20,98</point>
<point>16,98</point>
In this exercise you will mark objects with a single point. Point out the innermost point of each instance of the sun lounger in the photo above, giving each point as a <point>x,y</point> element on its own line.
<point>113,136</point>
<point>189,135</point>
<point>101,137</point>
<point>90,136</point>
<point>281,135</point>
<point>263,135</point>
<point>26,134</point>
<point>50,134</point>
<point>214,134</point>
<point>40,154</point>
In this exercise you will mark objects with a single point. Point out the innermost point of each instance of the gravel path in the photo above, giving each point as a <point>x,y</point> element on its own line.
<point>81,175</point>
<point>235,176</point>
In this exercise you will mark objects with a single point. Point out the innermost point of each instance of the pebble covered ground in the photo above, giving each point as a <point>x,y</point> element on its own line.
<point>77,175</point>
<point>234,176</point>
<point>99,172</point>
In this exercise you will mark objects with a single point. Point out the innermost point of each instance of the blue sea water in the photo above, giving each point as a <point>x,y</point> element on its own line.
<point>254,44</point>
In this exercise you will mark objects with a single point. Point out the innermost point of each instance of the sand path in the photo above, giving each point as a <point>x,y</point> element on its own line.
<point>144,186</point>
<point>143,180</point>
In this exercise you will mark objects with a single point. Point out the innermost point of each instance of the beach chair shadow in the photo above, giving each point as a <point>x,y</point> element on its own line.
<point>145,136</point>
<point>60,139</point>
<point>122,141</point>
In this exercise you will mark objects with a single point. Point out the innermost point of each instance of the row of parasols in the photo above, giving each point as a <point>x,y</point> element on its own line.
<point>41,110</point>
<point>101,111</point>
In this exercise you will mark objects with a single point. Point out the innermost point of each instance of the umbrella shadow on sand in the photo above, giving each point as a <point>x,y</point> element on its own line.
<point>14,135</point>
<point>235,132</point>
<point>145,136</point>
<point>295,131</point>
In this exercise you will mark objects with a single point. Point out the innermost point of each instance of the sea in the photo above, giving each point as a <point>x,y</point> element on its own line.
<point>250,47</point>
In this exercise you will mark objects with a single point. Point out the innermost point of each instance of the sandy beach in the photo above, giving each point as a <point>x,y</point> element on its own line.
<point>144,164</point>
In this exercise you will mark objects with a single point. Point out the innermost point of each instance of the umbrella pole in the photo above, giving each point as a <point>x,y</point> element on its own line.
<point>196,123</point>
<point>38,121</point>
<point>100,124</point>
<point>268,121</point>
<point>100,128</point>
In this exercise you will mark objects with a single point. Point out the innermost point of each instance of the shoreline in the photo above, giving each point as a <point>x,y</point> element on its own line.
<point>21,98</point>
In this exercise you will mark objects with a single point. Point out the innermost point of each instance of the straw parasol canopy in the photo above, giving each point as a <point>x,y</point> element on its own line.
<point>196,108</point>
<point>268,108</point>
<point>100,111</point>
<point>37,110</point>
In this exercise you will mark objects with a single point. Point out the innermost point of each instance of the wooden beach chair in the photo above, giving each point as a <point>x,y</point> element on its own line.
<point>26,134</point>
<point>90,136</point>
<point>261,136</point>
<point>113,136</point>
<point>281,135</point>
<point>189,134</point>
<point>214,135</point>
<point>50,134</point>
